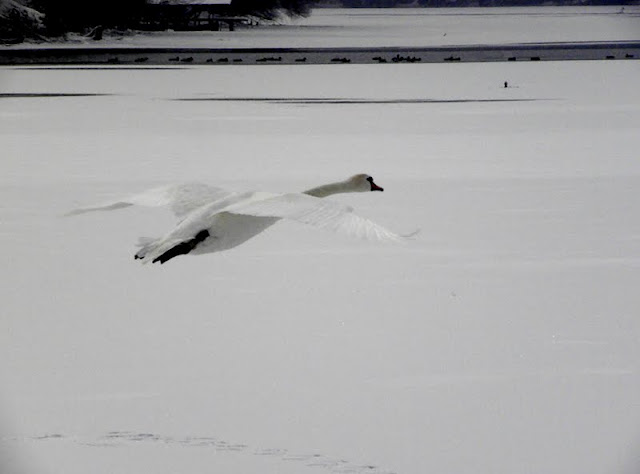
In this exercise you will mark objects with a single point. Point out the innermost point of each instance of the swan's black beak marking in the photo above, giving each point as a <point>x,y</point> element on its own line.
<point>374,186</point>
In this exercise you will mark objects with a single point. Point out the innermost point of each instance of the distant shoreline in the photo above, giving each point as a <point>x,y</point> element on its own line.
<point>153,56</point>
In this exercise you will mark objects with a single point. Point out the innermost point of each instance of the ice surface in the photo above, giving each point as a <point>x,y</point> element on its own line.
<point>504,340</point>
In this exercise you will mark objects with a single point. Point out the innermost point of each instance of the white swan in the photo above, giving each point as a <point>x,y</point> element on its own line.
<point>212,219</point>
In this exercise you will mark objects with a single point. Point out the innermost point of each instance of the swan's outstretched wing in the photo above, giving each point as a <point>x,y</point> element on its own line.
<point>180,198</point>
<point>321,213</point>
<point>218,224</point>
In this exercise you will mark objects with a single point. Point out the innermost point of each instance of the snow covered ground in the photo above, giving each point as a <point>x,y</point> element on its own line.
<point>504,340</point>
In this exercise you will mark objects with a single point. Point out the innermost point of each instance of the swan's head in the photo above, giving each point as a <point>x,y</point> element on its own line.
<point>356,184</point>
<point>363,183</point>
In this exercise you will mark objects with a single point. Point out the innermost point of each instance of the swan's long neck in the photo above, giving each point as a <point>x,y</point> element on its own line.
<point>329,189</point>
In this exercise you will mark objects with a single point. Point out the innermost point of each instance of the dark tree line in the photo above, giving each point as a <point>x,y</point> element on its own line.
<point>75,15</point>
<point>62,16</point>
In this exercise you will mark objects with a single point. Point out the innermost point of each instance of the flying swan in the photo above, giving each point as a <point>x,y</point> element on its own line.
<point>213,219</point>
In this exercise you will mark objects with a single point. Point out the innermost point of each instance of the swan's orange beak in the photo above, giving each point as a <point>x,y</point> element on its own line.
<point>375,187</point>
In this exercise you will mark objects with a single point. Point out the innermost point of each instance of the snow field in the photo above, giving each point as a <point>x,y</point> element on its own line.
<point>505,339</point>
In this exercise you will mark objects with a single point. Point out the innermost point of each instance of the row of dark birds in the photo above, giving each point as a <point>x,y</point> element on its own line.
<point>339,60</point>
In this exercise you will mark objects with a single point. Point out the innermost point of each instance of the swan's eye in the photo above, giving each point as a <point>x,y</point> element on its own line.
<point>370,179</point>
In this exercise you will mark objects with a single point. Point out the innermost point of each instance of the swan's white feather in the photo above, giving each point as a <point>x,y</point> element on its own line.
<point>316,212</point>
<point>180,198</point>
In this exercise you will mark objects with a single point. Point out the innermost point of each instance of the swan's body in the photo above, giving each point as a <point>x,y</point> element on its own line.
<point>213,220</point>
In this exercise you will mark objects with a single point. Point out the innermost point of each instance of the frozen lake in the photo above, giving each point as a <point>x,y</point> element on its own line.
<point>504,339</point>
